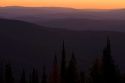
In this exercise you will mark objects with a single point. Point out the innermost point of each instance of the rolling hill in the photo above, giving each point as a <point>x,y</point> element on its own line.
<point>86,24</point>
<point>68,18</point>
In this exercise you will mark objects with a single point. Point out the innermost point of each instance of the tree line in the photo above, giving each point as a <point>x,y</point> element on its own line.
<point>103,70</point>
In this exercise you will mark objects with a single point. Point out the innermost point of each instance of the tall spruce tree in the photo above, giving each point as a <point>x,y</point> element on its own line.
<point>63,64</point>
<point>82,77</point>
<point>1,71</point>
<point>55,75</point>
<point>73,74</point>
<point>34,76</point>
<point>23,77</point>
<point>8,74</point>
<point>110,71</point>
<point>123,78</point>
<point>44,76</point>
<point>96,75</point>
<point>30,78</point>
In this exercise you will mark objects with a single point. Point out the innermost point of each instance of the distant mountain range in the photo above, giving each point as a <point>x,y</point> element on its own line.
<point>68,18</point>
<point>26,45</point>
<point>60,12</point>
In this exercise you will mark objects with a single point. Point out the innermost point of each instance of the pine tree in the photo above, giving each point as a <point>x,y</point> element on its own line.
<point>8,74</point>
<point>63,65</point>
<point>23,77</point>
<point>123,78</point>
<point>96,75</point>
<point>82,77</point>
<point>110,71</point>
<point>34,76</point>
<point>1,72</point>
<point>55,75</point>
<point>73,74</point>
<point>30,78</point>
<point>37,77</point>
<point>44,76</point>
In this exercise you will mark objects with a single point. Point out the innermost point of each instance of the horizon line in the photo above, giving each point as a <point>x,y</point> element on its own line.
<point>66,7</point>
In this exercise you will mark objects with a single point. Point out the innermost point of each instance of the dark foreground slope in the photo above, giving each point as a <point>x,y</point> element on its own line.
<point>27,45</point>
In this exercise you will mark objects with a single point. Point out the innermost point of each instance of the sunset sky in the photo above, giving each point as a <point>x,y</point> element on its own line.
<point>79,4</point>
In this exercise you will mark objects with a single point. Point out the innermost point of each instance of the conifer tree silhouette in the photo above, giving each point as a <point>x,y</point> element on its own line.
<point>34,76</point>
<point>1,72</point>
<point>123,78</point>
<point>73,75</point>
<point>55,76</point>
<point>110,71</point>
<point>23,77</point>
<point>96,75</point>
<point>30,78</point>
<point>44,76</point>
<point>82,77</point>
<point>63,64</point>
<point>37,77</point>
<point>8,74</point>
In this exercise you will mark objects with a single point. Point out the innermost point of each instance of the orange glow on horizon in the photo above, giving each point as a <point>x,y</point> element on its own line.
<point>79,4</point>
